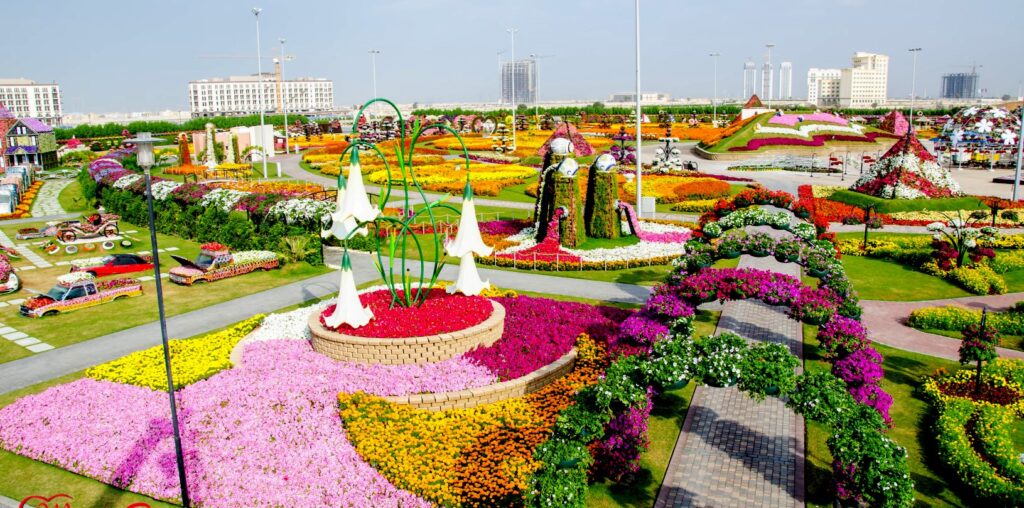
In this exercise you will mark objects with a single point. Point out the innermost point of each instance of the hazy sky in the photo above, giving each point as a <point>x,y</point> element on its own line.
<point>114,55</point>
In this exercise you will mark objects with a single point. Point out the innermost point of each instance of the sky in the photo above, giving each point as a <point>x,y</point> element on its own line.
<point>115,55</point>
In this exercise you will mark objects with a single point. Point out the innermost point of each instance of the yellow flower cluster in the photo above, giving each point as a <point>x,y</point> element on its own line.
<point>664,187</point>
<point>825,191</point>
<point>481,456</point>
<point>488,179</point>
<point>1005,242</point>
<point>192,359</point>
<point>374,162</point>
<point>491,292</point>
<point>1000,373</point>
<point>697,205</point>
<point>944,217</point>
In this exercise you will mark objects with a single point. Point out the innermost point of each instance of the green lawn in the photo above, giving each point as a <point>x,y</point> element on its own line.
<point>72,200</point>
<point>875,279</point>
<point>907,205</point>
<point>516,193</point>
<point>911,416</point>
<point>1009,341</point>
<point>115,316</point>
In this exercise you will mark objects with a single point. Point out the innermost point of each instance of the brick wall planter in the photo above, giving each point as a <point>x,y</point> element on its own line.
<point>491,393</point>
<point>410,350</point>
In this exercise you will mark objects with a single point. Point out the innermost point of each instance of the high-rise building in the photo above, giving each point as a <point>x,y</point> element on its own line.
<point>239,95</point>
<point>524,72</point>
<point>866,83</point>
<point>767,79</point>
<point>26,98</point>
<point>749,78</point>
<point>823,87</point>
<point>786,80</point>
<point>961,85</point>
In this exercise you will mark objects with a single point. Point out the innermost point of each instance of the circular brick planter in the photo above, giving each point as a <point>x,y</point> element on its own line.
<point>430,349</point>
<point>490,394</point>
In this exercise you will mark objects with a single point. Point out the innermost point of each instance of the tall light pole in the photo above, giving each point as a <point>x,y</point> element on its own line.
<point>639,115</point>
<point>536,80</point>
<point>144,141</point>
<point>259,66</point>
<point>513,31</point>
<point>714,101</point>
<point>913,85</point>
<point>284,103</point>
<point>373,64</point>
<point>1020,153</point>
<point>771,74</point>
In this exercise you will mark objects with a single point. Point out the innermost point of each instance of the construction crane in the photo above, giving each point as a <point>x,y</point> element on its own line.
<point>277,72</point>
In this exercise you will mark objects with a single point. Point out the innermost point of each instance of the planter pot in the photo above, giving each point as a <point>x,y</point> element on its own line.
<point>723,213</point>
<point>772,390</point>
<point>758,253</point>
<point>761,201</point>
<point>720,383</point>
<point>711,235</point>
<point>677,385</point>
<point>817,274</point>
<point>803,215</point>
<point>731,254</point>
<point>815,321</point>
<point>786,259</point>
<point>701,264</point>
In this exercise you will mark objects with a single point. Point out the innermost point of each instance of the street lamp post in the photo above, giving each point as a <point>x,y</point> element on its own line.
<point>284,103</point>
<point>913,85</point>
<point>512,75</point>
<point>1020,153</point>
<point>714,101</point>
<point>144,141</point>
<point>373,65</point>
<point>639,115</point>
<point>259,66</point>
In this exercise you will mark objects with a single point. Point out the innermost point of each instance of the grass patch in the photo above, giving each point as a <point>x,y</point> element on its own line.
<point>1009,341</point>
<point>72,200</point>
<point>515,193</point>
<point>911,416</point>
<point>858,199</point>
<point>608,243</point>
<point>875,279</point>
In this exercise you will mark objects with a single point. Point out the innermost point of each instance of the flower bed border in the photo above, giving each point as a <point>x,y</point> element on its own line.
<point>410,350</point>
<point>490,394</point>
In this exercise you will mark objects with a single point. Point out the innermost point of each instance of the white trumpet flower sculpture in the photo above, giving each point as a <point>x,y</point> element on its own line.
<point>467,242</point>
<point>353,203</point>
<point>349,310</point>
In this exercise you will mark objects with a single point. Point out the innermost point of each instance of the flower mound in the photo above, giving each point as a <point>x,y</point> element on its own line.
<point>440,313</point>
<point>907,171</point>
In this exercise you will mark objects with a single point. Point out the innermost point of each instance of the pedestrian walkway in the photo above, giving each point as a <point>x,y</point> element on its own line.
<point>21,338</point>
<point>47,201</point>
<point>26,252</point>
<point>885,322</point>
<point>734,451</point>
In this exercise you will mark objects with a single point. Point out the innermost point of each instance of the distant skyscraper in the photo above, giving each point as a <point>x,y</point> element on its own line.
<point>823,86</point>
<point>749,78</point>
<point>961,85</point>
<point>866,83</point>
<point>767,77</point>
<point>524,72</point>
<point>786,80</point>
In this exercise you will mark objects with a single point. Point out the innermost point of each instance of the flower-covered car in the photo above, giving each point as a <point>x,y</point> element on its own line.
<point>78,290</point>
<point>216,262</point>
<point>94,226</point>
<point>113,264</point>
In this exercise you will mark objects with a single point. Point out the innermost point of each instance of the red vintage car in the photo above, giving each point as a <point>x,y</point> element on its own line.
<point>115,264</point>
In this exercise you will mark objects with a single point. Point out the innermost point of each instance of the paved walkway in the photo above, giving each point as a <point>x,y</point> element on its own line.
<point>47,202</point>
<point>733,451</point>
<point>76,357</point>
<point>885,322</point>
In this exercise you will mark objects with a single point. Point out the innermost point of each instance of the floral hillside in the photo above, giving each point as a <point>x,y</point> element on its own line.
<point>907,171</point>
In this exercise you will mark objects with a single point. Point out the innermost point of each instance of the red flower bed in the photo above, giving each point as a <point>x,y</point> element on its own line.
<point>1002,395</point>
<point>440,313</point>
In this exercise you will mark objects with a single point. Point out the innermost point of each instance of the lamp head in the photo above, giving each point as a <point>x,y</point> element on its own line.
<point>256,11</point>
<point>143,142</point>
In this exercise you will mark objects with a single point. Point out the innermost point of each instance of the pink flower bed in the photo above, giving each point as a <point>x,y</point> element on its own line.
<point>791,120</point>
<point>440,313</point>
<point>539,331</point>
<point>266,433</point>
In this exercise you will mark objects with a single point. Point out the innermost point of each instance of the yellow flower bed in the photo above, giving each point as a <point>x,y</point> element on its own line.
<point>481,456</point>
<point>192,359</point>
<point>825,191</point>
<point>944,217</point>
<point>527,143</point>
<point>1000,373</point>
<point>696,206</point>
<point>372,162</point>
<point>662,187</point>
<point>488,179</point>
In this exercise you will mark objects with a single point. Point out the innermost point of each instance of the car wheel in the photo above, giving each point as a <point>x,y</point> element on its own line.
<point>68,236</point>
<point>50,313</point>
<point>92,273</point>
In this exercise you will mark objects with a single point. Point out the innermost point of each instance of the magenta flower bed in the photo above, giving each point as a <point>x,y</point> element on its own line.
<point>266,433</point>
<point>539,331</point>
<point>791,120</point>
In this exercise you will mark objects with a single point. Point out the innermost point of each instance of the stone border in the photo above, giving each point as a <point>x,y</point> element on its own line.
<point>490,394</point>
<point>409,350</point>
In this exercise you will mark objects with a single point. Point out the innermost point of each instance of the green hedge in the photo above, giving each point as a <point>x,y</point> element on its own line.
<point>953,318</point>
<point>882,205</point>
<point>600,216</point>
<point>238,230</point>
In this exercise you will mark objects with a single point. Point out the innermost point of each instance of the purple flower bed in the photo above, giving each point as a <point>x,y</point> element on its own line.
<point>539,331</point>
<point>266,433</point>
<point>860,368</point>
<point>617,455</point>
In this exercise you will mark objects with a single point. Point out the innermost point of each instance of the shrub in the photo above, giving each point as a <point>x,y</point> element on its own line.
<point>954,447</point>
<point>978,279</point>
<point>768,370</point>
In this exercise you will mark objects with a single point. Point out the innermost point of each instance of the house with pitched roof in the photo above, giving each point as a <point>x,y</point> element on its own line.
<point>30,142</point>
<point>7,120</point>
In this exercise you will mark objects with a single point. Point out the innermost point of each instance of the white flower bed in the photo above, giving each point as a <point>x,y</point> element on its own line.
<point>909,163</point>
<point>806,131</point>
<point>82,263</point>
<point>301,209</point>
<point>291,325</point>
<point>636,252</point>
<point>225,199</point>
<point>254,256</point>
<point>127,180</point>
<point>163,189</point>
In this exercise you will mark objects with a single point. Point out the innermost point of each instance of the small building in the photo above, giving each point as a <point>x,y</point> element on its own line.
<point>31,142</point>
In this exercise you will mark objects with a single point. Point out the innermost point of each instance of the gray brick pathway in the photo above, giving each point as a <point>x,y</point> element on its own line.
<point>733,451</point>
<point>46,202</point>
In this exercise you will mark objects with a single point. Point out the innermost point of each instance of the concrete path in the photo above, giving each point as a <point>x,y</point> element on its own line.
<point>47,202</point>
<point>733,451</point>
<point>885,322</point>
<point>76,357</point>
